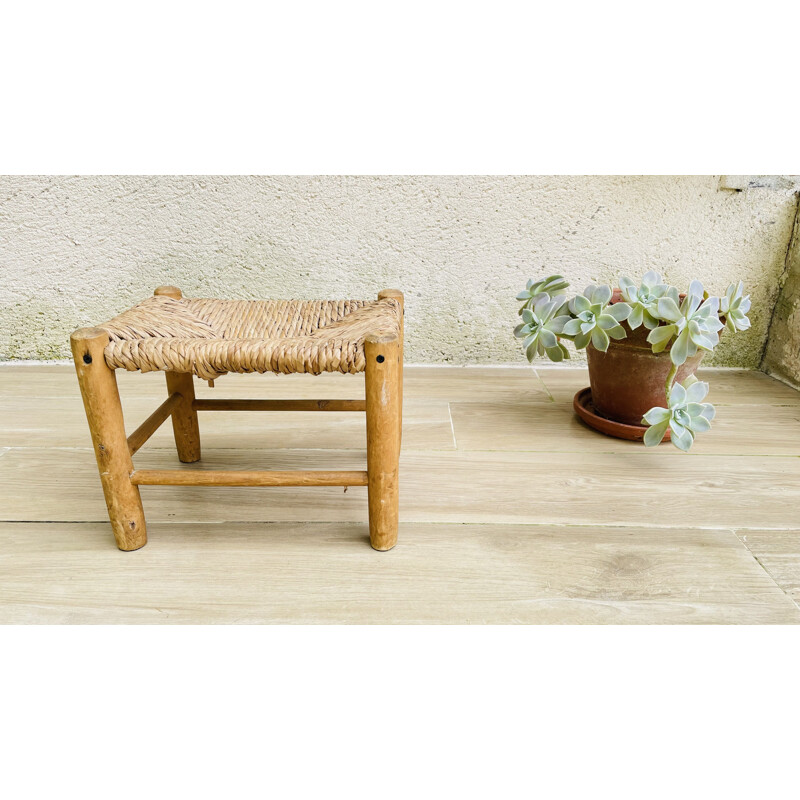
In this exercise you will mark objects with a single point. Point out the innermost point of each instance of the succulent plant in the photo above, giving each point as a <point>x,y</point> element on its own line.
<point>734,307</point>
<point>542,322</point>
<point>686,416</point>
<point>595,320</point>
<point>643,299</point>
<point>695,324</point>
<point>553,283</point>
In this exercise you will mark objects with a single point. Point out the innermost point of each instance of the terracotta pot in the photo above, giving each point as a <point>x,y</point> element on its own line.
<point>628,379</point>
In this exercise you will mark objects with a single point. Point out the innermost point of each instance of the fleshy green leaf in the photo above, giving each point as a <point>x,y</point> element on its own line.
<point>628,288</point>
<point>676,427</point>
<point>668,309</point>
<point>651,278</point>
<point>548,338</point>
<point>650,322</point>
<point>680,348</point>
<point>601,295</point>
<point>711,306</point>
<point>696,289</point>
<point>673,292</point>
<point>705,342</point>
<point>677,395</point>
<point>617,333</point>
<point>655,415</point>
<point>699,424</point>
<point>696,391</point>
<point>708,411</point>
<point>557,324</point>
<point>654,434</point>
<point>635,318</point>
<point>741,323</point>
<point>620,311</point>
<point>579,303</point>
<point>581,340</point>
<point>600,339</point>
<point>682,441</point>
<point>663,333</point>
<point>606,321</point>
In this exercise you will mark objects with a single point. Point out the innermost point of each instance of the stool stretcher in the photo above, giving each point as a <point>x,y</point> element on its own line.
<point>242,477</point>
<point>279,405</point>
<point>152,423</point>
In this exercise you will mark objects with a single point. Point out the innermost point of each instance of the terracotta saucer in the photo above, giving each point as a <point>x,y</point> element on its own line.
<point>582,403</point>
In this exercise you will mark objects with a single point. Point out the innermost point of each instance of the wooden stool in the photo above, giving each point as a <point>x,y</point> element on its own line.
<point>210,338</point>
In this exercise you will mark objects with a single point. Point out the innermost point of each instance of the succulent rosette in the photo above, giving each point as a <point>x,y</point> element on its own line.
<point>643,299</point>
<point>695,324</point>
<point>686,416</point>
<point>553,283</point>
<point>542,323</point>
<point>734,307</point>
<point>594,319</point>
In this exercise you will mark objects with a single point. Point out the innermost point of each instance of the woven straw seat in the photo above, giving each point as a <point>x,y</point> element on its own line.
<point>212,337</point>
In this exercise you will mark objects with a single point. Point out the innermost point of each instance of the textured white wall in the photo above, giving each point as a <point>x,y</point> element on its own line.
<point>782,354</point>
<point>76,250</point>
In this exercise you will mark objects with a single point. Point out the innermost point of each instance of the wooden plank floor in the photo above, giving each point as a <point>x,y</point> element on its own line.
<point>511,510</point>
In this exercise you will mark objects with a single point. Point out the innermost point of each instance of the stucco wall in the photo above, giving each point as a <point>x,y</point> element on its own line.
<point>782,355</point>
<point>75,250</point>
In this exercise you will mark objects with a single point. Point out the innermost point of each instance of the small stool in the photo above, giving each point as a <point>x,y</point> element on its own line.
<point>210,338</point>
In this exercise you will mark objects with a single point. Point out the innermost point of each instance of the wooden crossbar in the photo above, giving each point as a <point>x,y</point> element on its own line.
<point>203,477</point>
<point>152,423</point>
<point>278,405</point>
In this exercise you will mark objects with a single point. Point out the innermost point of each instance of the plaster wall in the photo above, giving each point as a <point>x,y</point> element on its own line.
<point>76,250</point>
<point>782,354</point>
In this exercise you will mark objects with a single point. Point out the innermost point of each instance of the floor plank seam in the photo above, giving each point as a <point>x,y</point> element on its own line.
<point>410,523</point>
<point>743,540</point>
<point>634,452</point>
<point>458,452</point>
<point>166,447</point>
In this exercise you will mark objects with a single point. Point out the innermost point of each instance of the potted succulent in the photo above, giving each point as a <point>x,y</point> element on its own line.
<point>643,345</point>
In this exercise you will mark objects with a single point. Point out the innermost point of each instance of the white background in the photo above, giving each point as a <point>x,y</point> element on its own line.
<point>394,712</point>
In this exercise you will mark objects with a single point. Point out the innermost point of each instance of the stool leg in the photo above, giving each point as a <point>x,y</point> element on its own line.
<point>396,294</point>
<point>383,438</point>
<point>184,417</point>
<point>104,413</point>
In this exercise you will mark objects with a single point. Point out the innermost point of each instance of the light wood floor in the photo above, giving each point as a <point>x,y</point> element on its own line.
<point>511,510</point>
